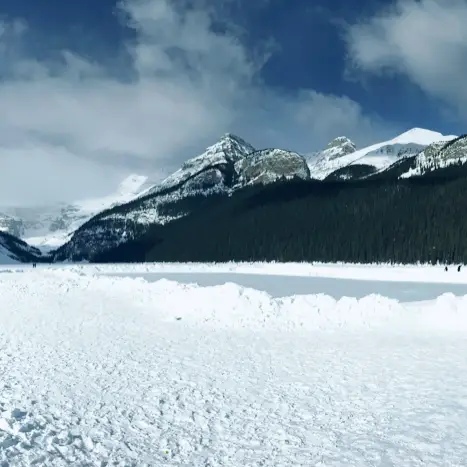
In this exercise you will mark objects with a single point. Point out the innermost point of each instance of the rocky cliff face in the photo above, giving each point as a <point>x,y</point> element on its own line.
<point>269,165</point>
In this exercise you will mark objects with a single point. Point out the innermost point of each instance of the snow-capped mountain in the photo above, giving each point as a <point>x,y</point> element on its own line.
<point>227,166</point>
<point>342,155</point>
<point>49,227</point>
<point>13,250</point>
<point>438,156</point>
<point>208,165</point>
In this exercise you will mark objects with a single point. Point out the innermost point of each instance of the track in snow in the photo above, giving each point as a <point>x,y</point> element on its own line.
<point>111,371</point>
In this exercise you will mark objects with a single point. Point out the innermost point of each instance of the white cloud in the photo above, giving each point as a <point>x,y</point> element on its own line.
<point>69,122</point>
<point>424,40</point>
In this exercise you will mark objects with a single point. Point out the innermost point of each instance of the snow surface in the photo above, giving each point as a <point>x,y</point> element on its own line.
<point>100,370</point>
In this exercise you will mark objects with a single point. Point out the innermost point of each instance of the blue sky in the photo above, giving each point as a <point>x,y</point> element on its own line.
<point>140,86</point>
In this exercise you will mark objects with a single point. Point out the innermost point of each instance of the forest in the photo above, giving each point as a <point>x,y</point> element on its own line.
<point>398,221</point>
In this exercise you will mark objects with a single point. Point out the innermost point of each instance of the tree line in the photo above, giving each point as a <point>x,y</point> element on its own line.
<point>399,221</point>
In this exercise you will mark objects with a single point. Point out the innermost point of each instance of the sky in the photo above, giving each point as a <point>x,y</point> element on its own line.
<point>93,91</point>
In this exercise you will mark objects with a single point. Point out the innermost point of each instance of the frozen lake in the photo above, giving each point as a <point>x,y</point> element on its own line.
<point>283,286</point>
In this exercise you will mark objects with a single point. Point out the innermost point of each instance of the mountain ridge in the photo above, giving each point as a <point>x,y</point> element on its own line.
<point>229,165</point>
<point>215,174</point>
<point>379,155</point>
<point>225,167</point>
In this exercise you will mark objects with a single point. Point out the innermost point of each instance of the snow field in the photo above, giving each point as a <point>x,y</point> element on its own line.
<point>99,370</point>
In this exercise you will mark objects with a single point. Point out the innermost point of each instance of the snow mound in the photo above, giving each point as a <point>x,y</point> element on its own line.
<point>245,308</point>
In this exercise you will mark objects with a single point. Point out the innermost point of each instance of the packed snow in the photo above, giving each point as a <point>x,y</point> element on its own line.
<point>104,370</point>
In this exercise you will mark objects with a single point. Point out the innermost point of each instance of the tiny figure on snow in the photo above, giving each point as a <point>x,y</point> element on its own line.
<point>33,265</point>
<point>446,269</point>
<point>459,268</point>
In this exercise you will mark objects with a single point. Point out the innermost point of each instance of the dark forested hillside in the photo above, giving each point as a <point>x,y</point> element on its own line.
<point>351,172</point>
<point>419,219</point>
<point>19,250</point>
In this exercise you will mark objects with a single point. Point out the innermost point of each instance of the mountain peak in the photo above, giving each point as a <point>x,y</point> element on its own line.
<point>230,146</point>
<point>340,146</point>
<point>230,138</point>
<point>339,141</point>
<point>421,136</point>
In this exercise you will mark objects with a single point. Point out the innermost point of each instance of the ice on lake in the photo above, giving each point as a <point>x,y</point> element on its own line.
<point>284,286</point>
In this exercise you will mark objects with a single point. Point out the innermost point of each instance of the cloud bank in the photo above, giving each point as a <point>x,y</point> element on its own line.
<point>71,127</point>
<point>424,40</point>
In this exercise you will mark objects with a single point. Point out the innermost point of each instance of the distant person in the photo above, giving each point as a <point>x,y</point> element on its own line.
<point>446,269</point>
<point>459,268</point>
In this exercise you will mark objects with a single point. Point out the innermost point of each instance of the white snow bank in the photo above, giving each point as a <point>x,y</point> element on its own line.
<point>233,306</point>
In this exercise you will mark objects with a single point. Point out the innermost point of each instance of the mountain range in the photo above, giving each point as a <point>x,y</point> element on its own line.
<point>87,229</point>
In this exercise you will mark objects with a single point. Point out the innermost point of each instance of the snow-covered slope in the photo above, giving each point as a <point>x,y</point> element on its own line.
<point>209,173</point>
<point>439,156</point>
<point>228,150</point>
<point>342,153</point>
<point>49,227</point>
<point>13,250</point>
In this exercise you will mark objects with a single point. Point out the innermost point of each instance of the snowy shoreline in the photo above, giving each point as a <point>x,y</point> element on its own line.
<point>373,272</point>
